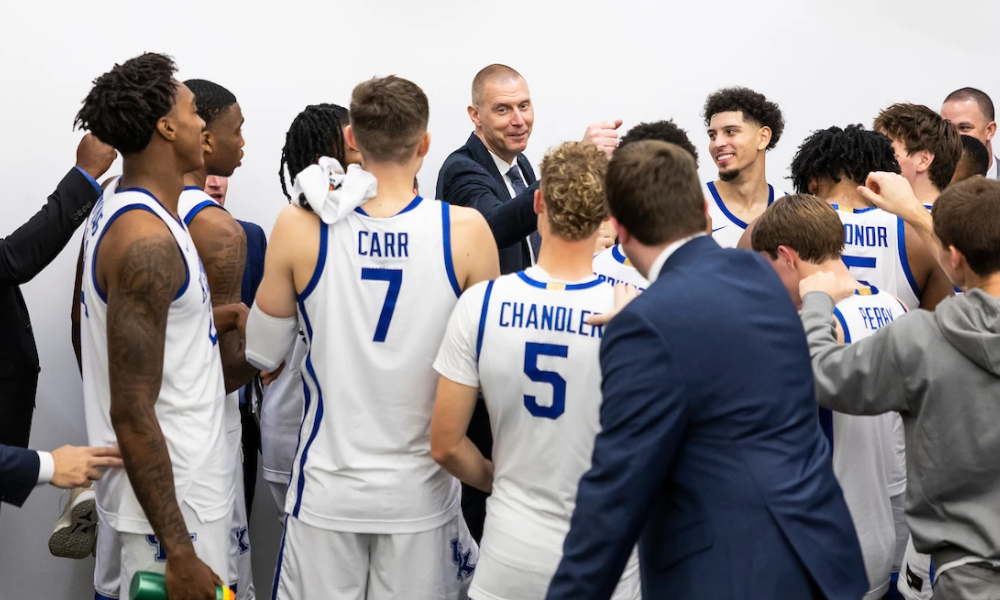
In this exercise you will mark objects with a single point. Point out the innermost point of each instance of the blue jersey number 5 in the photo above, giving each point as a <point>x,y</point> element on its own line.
<point>531,353</point>
<point>395,279</point>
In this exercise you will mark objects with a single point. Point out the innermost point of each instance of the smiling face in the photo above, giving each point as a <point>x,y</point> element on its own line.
<point>506,116</point>
<point>735,143</point>
<point>969,119</point>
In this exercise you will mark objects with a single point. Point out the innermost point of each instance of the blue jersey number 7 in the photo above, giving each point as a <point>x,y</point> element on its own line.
<point>531,353</point>
<point>395,279</point>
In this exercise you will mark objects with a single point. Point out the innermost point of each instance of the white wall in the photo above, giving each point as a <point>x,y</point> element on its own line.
<point>825,62</point>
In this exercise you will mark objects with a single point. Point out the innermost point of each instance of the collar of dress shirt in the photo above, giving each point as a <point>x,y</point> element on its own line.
<point>502,165</point>
<point>654,271</point>
<point>992,172</point>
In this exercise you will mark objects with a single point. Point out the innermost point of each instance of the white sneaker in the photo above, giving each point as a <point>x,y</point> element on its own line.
<point>76,531</point>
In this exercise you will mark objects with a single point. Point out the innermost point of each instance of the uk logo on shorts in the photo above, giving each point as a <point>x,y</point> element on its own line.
<point>461,560</point>
<point>161,554</point>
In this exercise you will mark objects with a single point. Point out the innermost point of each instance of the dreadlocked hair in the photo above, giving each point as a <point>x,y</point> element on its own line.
<point>125,103</point>
<point>852,152</point>
<point>316,131</point>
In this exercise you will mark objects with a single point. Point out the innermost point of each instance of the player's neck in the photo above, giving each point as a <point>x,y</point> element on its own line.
<point>925,191</point>
<point>832,265</point>
<point>567,261</point>
<point>196,178</point>
<point>748,189</point>
<point>157,176</point>
<point>395,188</point>
<point>846,196</point>
<point>989,284</point>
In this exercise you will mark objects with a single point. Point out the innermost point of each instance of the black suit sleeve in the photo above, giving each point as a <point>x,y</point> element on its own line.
<point>468,184</point>
<point>29,249</point>
<point>18,474</point>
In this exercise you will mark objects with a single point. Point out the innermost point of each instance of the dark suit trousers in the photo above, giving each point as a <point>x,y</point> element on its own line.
<point>473,500</point>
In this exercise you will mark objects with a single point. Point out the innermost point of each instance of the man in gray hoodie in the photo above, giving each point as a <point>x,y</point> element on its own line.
<point>941,371</point>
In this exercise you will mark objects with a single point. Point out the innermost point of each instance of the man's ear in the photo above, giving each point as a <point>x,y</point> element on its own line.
<point>207,142</point>
<point>539,204</point>
<point>764,138</point>
<point>924,161</point>
<point>957,258</point>
<point>474,115</point>
<point>424,145</point>
<point>789,256</point>
<point>166,128</point>
<point>349,137</point>
<point>813,185</point>
<point>991,130</point>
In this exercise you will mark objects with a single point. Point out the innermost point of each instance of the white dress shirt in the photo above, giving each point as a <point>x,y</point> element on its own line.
<point>46,467</point>
<point>503,166</point>
<point>992,172</point>
<point>654,271</point>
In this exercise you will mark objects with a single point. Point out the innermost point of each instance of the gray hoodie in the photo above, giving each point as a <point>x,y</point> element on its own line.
<point>941,371</point>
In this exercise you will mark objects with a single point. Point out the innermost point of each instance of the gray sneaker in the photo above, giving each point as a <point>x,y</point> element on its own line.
<point>76,531</point>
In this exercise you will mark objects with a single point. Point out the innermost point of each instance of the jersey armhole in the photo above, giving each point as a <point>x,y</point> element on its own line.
<point>843,324</point>
<point>97,245</point>
<point>904,261</point>
<point>197,209</point>
<point>320,262</point>
<point>901,305</point>
<point>449,265</point>
<point>482,319</point>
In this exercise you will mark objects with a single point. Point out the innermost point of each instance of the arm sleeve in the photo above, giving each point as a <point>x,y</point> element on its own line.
<point>268,339</point>
<point>643,417</point>
<point>19,469</point>
<point>468,184</point>
<point>861,378</point>
<point>458,358</point>
<point>30,248</point>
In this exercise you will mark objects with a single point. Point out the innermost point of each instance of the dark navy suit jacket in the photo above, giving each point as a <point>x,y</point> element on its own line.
<point>18,474</point>
<point>253,272</point>
<point>711,455</point>
<point>469,177</point>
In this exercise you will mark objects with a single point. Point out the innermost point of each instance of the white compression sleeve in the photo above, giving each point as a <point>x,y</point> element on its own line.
<point>269,339</point>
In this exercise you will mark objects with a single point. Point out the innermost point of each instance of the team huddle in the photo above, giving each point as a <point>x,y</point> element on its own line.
<point>383,319</point>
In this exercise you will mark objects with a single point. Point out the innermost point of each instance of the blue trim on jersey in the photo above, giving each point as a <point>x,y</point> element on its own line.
<point>148,193</point>
<point>903,260</point>
<point>618,255</point>
<point>725,211</point>
<point>449,264</point>
<point>569,286</point>
<point>100,596</point>
<point>843,324</point>
<point>482,318</point>
<point>281,557</point>
<point>320,262</point>
<point>413,204</point>
<point>856,211</point>
<point>188,188</point>
<point>317,419</point>
<point>862,262</point>
<point>118,213</point>
<point>197,209</point>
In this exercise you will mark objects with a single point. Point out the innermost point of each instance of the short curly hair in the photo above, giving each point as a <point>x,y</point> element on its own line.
<point>754,106</point>
<point>852,152</point>
<point>919,128</point>
<point>573,189</point>
<point>124,105</point>
<point>665,131</point>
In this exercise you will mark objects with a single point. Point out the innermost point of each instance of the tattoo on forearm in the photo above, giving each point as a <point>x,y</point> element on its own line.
<point>150,272</point>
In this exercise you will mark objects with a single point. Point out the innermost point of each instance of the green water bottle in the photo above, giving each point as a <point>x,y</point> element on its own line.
<point>153,586</point>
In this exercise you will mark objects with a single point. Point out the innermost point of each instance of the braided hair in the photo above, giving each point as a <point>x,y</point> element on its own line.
<point>316,131</point>
<point>852,152</point>
<point>124,105</point>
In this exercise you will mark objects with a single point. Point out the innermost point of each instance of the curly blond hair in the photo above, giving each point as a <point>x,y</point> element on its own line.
<point>573,189</point>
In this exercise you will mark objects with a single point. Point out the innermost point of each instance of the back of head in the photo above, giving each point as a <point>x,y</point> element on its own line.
<point>316,131</point>
<point>654,192</point>
<point>971,94</point>
<point>388,117</point>
<point>487,74</point>
<point>211,98</point>
<point>975,160</point>
<point>124,105</point>
<point>835,153</point>
<point>967,216</point>
<point>665,131</point>
<point>756,108</point>
<point>919,128</point>
<point>573,188</point>
<point>803,223</point>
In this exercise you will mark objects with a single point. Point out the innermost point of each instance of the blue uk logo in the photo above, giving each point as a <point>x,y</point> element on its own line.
<point>161,554</point>
<point>461,560</point>
<point>241,539</point>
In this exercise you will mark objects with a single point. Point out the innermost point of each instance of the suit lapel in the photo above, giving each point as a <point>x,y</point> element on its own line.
<point>529,173</point>
<point>482,156</point>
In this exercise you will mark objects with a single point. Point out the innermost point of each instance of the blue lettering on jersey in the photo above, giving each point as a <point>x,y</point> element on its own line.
<point>386,244</point>
<point>866,235</point>
<point>613,281</point>
<point>875,317</point>
<point>462,559</point>
<point>547,318</point>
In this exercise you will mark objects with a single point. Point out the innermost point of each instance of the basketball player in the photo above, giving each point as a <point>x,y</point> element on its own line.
<point>801,235</point>
<point>926,146</point>
<point>524,340</point>
<point>316,131</point>
<point>222,246</point>
<point>880,248</point>
<point>742,126</point>
<point>972,112</point>
<point>370,514</point>
<point>975,160</point>
<point>612,265</point>
<point>151,369</point>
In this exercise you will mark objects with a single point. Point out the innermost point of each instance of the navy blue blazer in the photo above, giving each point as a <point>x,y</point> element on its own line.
<point>18,474</point>
<point>253,272</point>
<point>711,454</point>
<point>469,177</point>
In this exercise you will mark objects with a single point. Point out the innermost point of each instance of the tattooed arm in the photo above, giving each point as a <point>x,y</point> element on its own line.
<point>142,270</point>
<point>222,245</point>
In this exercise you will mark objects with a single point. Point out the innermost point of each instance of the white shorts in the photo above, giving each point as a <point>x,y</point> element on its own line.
<point>333,565</point>
<point>240,572</point>
<point>279,490</point>
<point>915,575</point>
<point>121,555</point>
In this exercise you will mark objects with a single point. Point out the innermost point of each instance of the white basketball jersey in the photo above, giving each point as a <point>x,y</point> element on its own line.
<point>523,339</point>
<point>727,228</point>
<point>192,201</point>
<point>864,447</point>
<point>190,405</point>
<point>374,314</point>
<point>875,252</point>
<point>612,266</point>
